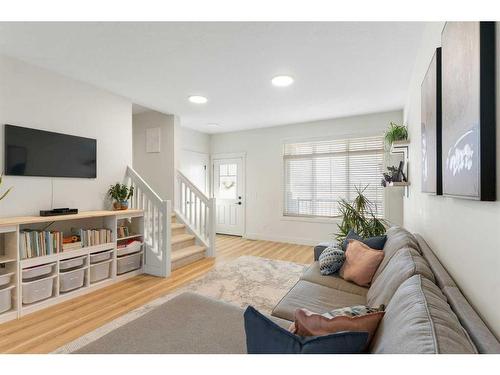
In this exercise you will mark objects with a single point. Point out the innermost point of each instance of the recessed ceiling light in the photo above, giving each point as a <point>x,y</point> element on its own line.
<point>198,99</point>
<point>282,81</point>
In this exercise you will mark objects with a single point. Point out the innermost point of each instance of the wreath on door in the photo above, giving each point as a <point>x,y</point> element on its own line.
<point>228,185</point>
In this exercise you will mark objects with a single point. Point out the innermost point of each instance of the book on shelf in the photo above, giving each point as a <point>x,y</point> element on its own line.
<point>35,243</point>
<point>92,237</point>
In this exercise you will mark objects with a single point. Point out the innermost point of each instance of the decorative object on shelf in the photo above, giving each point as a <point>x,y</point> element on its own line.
<point>120,193</point>
<point>360,216</point>
<point>394,175</point>
<point>468,109</point>
<point>431,123</point>
<point>7,191</point>
<point>395,133</point>
<point>122,231</point>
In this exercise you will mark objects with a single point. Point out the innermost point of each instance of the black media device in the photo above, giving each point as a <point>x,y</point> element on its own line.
<point>33,152</point>
<point>59,211</point>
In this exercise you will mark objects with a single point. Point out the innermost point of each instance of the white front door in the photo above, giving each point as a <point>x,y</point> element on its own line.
<point>229,193</point>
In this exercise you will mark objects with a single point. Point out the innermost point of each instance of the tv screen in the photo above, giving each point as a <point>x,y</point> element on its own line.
<point>32,152</point>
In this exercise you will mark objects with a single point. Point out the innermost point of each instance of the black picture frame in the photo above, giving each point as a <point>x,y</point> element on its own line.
<point>431,127</point>
<point>468,110</point>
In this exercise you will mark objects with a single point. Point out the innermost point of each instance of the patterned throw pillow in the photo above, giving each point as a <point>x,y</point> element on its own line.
<point>331,260</point>
<point>353,311</point>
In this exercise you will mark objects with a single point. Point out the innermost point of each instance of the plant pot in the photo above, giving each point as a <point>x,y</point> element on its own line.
<point>121,205</point>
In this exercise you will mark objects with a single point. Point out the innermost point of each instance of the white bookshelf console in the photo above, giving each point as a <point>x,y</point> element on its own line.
<point>11,262</point>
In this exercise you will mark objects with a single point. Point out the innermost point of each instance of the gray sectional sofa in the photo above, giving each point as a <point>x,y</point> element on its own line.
<point>425,311</point>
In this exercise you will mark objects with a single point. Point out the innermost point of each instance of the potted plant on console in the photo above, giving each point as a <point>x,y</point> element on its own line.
<point>120,194</point>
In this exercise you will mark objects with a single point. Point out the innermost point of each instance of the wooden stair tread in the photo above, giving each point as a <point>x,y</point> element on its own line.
<point>186,252</point>
<point>181,238</point>
<point>177,225</point>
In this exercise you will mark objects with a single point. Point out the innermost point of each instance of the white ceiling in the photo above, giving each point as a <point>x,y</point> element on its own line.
<point>340,68</point>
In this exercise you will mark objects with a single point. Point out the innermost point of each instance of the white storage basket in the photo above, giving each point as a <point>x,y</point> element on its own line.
<point>128,263</point>
<point>101,257</point>
<point>131,248</point>
<point>6,299</point>
<point>5,278</point>
<point>38,290</point>
<point>71,280</point>
<point>100,271</point>
<point>32,273</point>
<point>71,263</point>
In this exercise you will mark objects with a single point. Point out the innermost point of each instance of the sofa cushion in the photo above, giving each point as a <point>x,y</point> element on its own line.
<point>397,238</point>
<point>263,336</point>
<point>419,320</point>
<point>376,243</point>
<point>361,262</point>
<point>404,264</point>
<point>314,297</point>
<point>313,275</point>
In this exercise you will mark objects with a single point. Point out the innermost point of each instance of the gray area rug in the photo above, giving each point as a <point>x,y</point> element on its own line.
<point>244,281</point>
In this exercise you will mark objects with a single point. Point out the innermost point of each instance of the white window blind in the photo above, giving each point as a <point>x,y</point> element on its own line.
<point>319,174</point>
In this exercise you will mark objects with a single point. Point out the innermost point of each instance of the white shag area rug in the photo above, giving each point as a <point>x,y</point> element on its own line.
<point>247,280</point>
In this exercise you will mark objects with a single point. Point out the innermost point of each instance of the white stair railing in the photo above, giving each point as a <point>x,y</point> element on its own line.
<point>197,211</point>
<point>157,224</point>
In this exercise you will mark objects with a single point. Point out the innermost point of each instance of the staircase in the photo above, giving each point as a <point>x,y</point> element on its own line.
<point>192,225</point>
<point>184,247</point>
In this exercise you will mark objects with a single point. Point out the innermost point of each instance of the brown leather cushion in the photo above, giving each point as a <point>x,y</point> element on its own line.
<point>361,263</point>
<point>308,323</point>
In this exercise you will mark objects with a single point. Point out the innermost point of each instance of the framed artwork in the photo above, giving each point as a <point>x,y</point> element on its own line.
<point>153,138</point>
<point>468,110</point>
<point>432,178</point>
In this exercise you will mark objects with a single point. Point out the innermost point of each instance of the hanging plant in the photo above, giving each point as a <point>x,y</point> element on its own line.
<point>394,133</point>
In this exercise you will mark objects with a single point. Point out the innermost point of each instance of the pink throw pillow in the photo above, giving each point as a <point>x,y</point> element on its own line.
<point>361,262</point>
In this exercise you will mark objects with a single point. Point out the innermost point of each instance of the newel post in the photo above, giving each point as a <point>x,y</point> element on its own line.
<point>211,235</point>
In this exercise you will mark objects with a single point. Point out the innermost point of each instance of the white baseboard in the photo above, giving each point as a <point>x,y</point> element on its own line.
<point>292,240</point>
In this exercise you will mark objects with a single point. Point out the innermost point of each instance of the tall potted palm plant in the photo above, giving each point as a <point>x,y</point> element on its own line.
<point>360,216</point>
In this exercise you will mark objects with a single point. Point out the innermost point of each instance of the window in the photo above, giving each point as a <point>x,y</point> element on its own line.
<point>319,174</point>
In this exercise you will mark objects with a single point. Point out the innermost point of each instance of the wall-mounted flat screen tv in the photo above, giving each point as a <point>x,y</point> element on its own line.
<point>33,152</point>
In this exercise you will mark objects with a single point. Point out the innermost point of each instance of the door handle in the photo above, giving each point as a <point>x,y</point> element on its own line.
<point>239,203</point>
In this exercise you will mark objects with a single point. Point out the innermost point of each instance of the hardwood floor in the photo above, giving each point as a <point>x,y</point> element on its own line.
<point>46,330</point>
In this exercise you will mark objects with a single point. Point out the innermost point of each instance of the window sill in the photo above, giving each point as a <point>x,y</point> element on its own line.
<point>305,219</point>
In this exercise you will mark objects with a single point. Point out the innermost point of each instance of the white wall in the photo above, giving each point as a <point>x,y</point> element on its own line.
<point>194,159</point>
<point>36,98</point>
<point>156,168</point>
<point>464,234</point>
<point>263,148</point>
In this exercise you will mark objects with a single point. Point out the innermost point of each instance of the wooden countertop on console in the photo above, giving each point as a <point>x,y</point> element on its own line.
<point>4,221</point>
